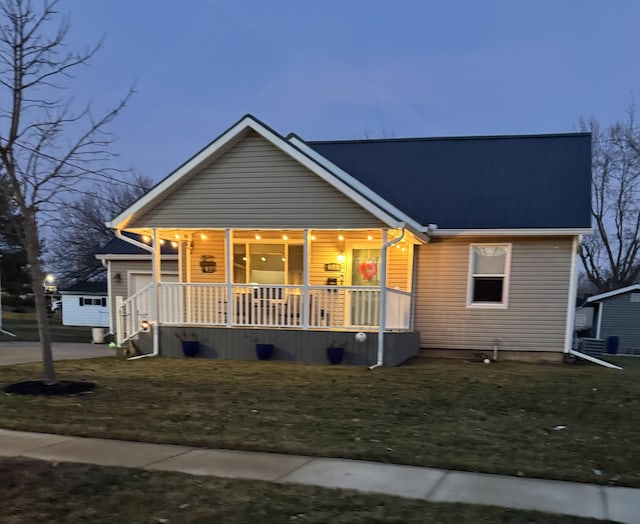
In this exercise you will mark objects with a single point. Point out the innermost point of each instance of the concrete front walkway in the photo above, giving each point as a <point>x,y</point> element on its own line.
<point>20,352</point>
<point>571,498</point>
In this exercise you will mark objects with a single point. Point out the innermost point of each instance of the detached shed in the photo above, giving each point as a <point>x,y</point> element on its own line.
<point>617,314</point>
<point>85,304</point>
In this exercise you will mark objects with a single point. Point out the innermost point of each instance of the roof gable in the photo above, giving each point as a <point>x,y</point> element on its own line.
<point>219,147</point>
<point>254,184</point>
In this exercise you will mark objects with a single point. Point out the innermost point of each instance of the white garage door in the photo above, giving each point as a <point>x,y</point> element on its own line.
<point>139,280</point>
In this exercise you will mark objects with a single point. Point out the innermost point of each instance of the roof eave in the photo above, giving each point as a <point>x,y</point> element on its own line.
<point>608,294</point>
<point>569,231</point>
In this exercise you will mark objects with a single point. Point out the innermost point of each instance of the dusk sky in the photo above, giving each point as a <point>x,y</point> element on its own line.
<point>349,69</point>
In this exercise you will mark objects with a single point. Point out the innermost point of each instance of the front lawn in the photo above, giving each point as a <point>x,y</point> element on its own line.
<point>571,422</point>
<point>34,491</point>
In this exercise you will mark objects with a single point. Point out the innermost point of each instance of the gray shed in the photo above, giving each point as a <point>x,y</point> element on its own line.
<point>618,315</point>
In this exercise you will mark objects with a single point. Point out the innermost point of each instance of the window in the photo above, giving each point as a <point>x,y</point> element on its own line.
<point>489,275</point>
<point>264,263</point>
<point>86,301</point>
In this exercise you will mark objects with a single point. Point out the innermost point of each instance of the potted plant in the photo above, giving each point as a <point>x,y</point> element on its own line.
<point>264,351</point>
<point>190,343</point>
<point>335,353</point>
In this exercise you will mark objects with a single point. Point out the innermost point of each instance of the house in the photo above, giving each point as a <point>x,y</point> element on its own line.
<point>616,314</point>
<point>453,246</point>
<point>85,304</point>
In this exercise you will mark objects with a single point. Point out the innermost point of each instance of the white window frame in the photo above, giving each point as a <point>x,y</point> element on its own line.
<point>506,276</point>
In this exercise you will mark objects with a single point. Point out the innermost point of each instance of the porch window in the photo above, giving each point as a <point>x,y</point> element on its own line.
<point>267,263</point>
<point>488,275</point>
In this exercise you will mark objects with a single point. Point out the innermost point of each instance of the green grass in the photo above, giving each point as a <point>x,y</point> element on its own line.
<point>497,418</point>
<point>25,328</point>
<point>34,491</point>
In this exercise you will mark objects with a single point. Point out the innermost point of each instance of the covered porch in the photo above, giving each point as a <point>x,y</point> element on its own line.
<point>299,279</point>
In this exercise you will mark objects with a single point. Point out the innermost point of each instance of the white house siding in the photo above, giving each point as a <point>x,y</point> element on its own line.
<point>73,314</point>
<point>535,319</point>
<point>256,185</point>
<point>621,318</point>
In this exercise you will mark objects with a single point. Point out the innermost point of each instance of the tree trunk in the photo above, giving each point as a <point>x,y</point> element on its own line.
<point>32,247</point>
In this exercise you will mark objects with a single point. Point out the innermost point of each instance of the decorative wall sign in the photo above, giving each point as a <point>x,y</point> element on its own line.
<point>207,264</point>
<point>368,269</point>
<point>333,267</point>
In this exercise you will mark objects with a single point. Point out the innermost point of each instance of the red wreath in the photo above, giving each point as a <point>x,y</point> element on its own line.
<point>368,269</point>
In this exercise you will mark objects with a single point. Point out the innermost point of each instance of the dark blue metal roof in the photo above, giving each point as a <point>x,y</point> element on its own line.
<point>498,182</point>
<point>87,287</point>
<point>117,246</point>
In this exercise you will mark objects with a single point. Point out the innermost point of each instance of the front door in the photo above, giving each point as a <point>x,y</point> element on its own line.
<point>364,273</point>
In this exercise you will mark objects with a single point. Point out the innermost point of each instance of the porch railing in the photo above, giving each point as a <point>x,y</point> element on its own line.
<point>133,311</point>
<point>283,306</point>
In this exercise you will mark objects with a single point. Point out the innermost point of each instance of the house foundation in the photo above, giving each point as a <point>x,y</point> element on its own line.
<point>289,345</point>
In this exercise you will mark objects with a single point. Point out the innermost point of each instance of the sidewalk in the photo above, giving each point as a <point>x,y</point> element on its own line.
<point>17,352</point>
<point>436,485</point>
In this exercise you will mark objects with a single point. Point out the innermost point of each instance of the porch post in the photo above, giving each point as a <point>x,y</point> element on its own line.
<point>155,305</point>
<point>383,297</point>
<point>305,280</point>
<point>228,247</point>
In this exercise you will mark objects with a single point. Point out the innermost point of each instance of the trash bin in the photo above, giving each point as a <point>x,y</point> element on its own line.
<point>612,345</point>
<point>97,334</point>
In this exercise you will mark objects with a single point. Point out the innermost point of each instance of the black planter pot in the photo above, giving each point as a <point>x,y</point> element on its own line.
<point>190,348</point>
<point>335,355</point>
<point>264,351</point>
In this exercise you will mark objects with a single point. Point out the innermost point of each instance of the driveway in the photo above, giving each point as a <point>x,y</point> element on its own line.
<point>19,352</point>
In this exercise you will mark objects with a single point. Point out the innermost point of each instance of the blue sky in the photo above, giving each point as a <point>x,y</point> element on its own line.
<point>348,69</point>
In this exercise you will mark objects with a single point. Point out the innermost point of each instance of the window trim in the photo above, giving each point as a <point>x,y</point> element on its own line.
<point>504,304</point>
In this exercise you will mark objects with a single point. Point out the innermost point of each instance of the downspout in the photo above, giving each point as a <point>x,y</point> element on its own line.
<point>383,292</point>
<point>571,300</point>
<point>107,264</point>
<point>154,254</point>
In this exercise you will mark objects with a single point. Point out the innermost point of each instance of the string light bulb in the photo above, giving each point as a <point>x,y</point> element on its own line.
<point>341,238</point>
<point>203,236</point>
<point>258,237</point>
<point>285,237</point>
<point>146,238</point>
<point>174,244</point>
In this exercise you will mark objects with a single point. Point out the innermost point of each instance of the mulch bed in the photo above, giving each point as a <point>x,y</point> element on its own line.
<point>38,387</point>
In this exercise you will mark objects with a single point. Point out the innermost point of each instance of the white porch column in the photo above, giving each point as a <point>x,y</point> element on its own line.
<point>305,280</point>
<point>155,305</point>
<point>383,296</point>
<point>228,247</point>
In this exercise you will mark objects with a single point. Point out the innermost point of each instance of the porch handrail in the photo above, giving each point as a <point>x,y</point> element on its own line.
<point>133,311</point>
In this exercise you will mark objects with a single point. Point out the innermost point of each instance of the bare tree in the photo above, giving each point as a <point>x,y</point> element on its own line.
<point>611,256</point>
<point>47,148</point>
<point>82,231</point>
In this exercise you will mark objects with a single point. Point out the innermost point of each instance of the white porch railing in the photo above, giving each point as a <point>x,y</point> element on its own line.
<point>133,311</point>
<point>282,306</point>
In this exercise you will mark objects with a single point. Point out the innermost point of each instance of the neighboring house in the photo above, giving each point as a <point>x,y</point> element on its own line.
<point>453,245</point>
<point>129,270</point>
<point>85,304</point>
<point>617,314</point>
